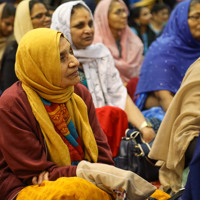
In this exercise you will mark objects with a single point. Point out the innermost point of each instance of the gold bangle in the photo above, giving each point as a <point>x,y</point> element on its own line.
<point>145,124</point>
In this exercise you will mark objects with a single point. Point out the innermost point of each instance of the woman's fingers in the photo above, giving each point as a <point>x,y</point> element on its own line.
<point>43,176</point>
<point>34,180</point>
<point>46,176</point>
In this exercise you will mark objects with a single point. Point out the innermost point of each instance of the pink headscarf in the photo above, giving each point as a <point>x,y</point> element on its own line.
<point>132,48</point>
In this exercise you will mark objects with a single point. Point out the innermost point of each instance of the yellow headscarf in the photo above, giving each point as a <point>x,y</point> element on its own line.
<point>38,67</point>
<point>146,3</point>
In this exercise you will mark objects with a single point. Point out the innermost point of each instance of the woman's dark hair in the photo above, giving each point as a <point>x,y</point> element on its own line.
<point>33,2</point>
<point>79,5</point>
<point>159,6</point>
<point>8,10</point>
<point>134,14</point>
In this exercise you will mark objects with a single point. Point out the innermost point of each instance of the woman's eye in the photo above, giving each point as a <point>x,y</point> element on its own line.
<point>145,14</point>
<point>118,12</point>
<point>79,26</point>
<point>90,24</point>
<point>62,58</point>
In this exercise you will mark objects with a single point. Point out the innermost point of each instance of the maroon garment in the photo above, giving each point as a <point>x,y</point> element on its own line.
<point>23,146</point>
<point>131,87</point>
<point>10,185</point>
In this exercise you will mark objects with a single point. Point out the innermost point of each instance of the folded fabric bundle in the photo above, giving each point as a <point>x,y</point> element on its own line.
<point>64,188</point>
<point>111,179</point>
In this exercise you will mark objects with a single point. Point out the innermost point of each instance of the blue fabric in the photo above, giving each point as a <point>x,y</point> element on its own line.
<point>72,130</point>
<point>134,1</point>
<point>144,40</point>
<point>45,102</point>
<point>140,100</point>
<point>83,79</point>
<point>192,189</point>
<point>72,141</point>
<point>169,57</point>
<point>134,30</point>
<point>75,163</point>
<point>156,112</point>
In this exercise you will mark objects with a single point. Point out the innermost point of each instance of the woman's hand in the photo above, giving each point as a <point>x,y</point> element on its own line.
<point>148,134</point>
<point>44,176</point>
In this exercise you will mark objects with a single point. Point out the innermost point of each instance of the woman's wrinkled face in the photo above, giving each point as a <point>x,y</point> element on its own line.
<point>194,21</point>
<point>145,16</point>
<point>69,65</point>
<point>82,28</point>
<point>6,26</point>
<point>40,16</point>
<point>117,16</point>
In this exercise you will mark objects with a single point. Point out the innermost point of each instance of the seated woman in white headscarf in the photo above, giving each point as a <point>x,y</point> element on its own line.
<point>97,69</point>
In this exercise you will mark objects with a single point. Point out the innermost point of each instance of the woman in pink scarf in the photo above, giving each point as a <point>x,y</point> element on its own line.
<point>112,30</point>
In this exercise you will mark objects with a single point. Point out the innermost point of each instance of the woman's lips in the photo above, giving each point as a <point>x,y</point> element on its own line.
<point>89,38</point>
<point>75,73</point>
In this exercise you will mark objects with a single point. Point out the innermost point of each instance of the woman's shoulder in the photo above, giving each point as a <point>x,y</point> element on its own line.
<point>162,46</point>
<point>15,95</point>
<point>133,37</point>
<point>101,48</point>
<point>134,30</point>
<point>11,47</point>
<point>84,93</point>
<point>81,90</point>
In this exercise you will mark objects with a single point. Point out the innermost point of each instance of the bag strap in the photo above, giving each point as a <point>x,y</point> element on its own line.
<point>144,148</point>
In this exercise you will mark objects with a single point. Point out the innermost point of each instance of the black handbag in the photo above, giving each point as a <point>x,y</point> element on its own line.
<point>133,154</point>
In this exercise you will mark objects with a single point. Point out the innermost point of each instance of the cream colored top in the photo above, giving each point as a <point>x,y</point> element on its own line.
<point>180,125</point>
<point>23,22</point>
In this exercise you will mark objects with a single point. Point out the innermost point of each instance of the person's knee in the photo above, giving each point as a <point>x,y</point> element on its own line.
<point>151,101</point>
<point>162,94</point>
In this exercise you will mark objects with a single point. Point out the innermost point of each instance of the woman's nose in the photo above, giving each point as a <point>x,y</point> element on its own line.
<point>10,28</point>
<point>88,29</point>
<point>124,14</point>
<point>150,16</point>
<point>47,18</point>
<point>74,61</point>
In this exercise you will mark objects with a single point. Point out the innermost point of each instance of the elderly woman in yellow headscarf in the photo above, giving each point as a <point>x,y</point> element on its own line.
<point>47,122</point>
<point>46,126</point>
